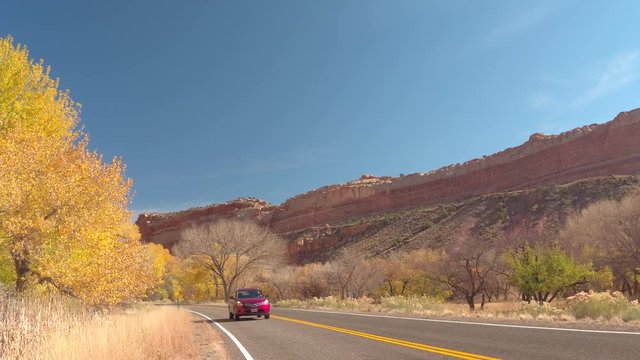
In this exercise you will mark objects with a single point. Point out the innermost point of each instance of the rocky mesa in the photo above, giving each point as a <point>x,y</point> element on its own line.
<point>611,148</point>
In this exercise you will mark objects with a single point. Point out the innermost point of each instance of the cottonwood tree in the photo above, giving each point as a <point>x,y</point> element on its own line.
<point>231,249</point>
<point>541,274</point>
<point>64,218</point>
<point>608,233</point>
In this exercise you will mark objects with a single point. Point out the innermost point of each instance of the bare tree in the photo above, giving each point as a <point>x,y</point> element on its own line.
<point>466,273</point>
<point>367,278</point>
<point>282,280</point>
<point>343,268</point>
<point>231,249</point>
<point>353,276</point>
<point>608,233</point>
<point>312,281</point>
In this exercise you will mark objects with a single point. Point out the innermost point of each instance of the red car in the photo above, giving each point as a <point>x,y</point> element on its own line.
<point>249,302</point>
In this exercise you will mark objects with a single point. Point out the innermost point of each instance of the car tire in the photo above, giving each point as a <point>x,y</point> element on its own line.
<point>236,317</point>
<point>266,316</point>
<point>230,315</point>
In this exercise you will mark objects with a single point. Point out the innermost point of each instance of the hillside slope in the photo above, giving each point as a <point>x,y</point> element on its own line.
<point>542,210</point>
<point>543,162</point>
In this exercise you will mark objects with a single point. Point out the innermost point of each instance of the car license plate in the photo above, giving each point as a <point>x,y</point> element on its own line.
<point>254,310</point>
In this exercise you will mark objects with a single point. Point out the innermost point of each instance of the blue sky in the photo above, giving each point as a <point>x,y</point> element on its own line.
<point>207,101</point>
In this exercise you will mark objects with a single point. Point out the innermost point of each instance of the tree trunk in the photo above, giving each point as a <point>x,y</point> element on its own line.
<point>404,286</point>
<point>471,302</point>
<point>505,293</point>
<point>392,291</point>
<point>21,266</point>
<point>225,288</point>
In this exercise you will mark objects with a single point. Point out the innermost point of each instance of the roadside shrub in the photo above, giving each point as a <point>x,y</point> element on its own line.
<point>632,313</point>
<point>402,304</point>
<point>292,303</point>
<point>411,304</point>
<point>541,311</point>
<point>334,302</point>
<point>603,305</point>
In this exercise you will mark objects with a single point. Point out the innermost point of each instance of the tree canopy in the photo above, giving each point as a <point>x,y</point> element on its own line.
<point>542,273</point>
<point>64,218</point>
<point>231,249</point>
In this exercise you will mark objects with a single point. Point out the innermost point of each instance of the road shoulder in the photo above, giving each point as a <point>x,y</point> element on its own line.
<point>208,341</point>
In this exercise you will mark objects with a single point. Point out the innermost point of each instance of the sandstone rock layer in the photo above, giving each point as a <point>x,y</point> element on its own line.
<point>611,148</point>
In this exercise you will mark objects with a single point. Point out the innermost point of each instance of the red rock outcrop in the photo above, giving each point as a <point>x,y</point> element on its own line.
<point>612,148</point>
<point>164,228</point>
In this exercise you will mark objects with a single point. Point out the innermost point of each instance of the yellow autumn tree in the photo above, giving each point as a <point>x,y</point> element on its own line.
<point>64,215</point>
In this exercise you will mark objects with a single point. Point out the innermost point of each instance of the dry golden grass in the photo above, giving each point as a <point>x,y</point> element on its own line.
<point>156,333</point>
<point>59,328</point>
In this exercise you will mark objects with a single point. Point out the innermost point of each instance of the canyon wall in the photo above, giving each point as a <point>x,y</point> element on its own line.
<point>611,148</point>
<point>164,228</point>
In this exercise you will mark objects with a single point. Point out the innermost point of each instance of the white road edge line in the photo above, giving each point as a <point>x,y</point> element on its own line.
<point>243,350</point>
<point>471,322</point>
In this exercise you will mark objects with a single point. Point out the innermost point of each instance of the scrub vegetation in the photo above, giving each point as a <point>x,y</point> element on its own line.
<point>589,270</point>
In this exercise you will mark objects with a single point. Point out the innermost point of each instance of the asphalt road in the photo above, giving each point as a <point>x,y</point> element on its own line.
<point>300,334</point>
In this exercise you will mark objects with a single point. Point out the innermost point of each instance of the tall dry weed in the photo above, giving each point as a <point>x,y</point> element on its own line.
<point>60,328</point>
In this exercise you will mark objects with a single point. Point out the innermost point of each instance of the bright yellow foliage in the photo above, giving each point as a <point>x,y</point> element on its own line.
<point>193,282</point>
<point>63,212</point>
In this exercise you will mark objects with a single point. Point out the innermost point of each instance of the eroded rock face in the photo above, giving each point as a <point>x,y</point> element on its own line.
<point>591,151</point>
<point>165,228</point>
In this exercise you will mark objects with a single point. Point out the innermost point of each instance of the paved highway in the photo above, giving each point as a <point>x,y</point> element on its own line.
<point>308,335</point>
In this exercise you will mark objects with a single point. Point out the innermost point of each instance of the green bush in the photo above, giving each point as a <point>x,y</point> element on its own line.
<point>603,305</point>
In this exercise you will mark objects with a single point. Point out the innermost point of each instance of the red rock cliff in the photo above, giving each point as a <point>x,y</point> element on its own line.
<point>594,150</point>
<point>164,228</point>
<point>612,148</point>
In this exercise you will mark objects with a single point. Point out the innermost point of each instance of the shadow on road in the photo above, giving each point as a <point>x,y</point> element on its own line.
<point>227,320</point>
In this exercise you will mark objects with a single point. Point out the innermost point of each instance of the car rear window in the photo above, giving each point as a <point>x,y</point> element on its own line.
<point>244,294</point>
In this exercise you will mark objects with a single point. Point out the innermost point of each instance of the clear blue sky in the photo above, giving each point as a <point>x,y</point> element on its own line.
<point>207,101</point>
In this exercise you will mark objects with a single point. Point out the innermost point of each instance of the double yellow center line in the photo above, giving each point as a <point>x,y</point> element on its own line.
<point>409,344</point>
